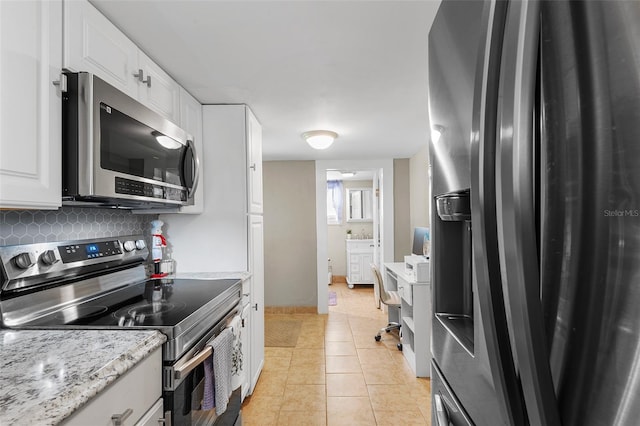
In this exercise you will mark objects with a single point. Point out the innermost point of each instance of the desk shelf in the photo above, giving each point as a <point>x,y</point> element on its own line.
<point>408,323</point>
<point>415,317</point>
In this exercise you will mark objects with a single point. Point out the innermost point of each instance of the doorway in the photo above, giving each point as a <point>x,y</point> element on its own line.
<point>381,172</point>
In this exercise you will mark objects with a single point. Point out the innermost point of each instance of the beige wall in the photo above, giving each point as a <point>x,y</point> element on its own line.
<point>290,244</point>
<point>419,188</point>
<point>336,234</point>
<point>403,232</point>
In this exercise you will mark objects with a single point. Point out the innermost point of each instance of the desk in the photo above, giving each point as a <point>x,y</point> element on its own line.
<point>415,313</point>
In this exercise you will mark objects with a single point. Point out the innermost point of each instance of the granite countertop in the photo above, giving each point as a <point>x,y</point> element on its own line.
<point>46,375</point>
<point>242,275</point>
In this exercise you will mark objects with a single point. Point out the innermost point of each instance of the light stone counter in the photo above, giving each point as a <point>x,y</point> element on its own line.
<point>214,275</point>
<point>46,375</point>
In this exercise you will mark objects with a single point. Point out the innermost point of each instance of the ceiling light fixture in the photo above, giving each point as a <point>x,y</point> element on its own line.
<point>348,174</point>
<point>319,139</point>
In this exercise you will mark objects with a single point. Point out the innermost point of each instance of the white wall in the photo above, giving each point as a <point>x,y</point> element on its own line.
<point>419,188</point>
<point>402,208</point>
<point>289,233</point>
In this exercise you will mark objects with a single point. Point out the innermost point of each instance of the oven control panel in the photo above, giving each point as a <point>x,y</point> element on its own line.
<point>76,252</point>
<point>27,264</point>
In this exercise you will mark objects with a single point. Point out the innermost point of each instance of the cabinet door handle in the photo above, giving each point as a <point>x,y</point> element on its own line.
<point>140,76</point>
<point>255,306</point>
<point>118,419</point>
<point>62,83</point>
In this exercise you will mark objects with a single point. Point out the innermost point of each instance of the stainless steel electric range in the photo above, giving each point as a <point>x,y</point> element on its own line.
<point>102,284</point>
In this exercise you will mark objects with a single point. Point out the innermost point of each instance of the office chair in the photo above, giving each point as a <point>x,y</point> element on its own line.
<point>389,298</point>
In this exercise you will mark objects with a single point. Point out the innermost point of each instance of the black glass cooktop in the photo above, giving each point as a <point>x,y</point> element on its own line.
<point>155,303</point>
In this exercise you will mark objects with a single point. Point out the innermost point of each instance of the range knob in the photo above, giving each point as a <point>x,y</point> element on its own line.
<point>129,245</point>
<point>140,244</point>
<point>49,257</point>
<point>24,260</point>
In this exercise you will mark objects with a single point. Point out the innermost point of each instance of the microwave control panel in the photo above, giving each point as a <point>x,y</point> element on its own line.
<point>144,189</point>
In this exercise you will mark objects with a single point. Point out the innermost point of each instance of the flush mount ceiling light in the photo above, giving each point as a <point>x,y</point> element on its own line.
<point>348,174</point>
<point>319,139</point>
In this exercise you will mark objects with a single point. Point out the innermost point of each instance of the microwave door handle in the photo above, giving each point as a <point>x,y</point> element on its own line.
<point>196,170</point>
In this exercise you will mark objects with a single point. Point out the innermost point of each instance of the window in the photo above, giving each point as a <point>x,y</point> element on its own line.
<point>334,202</point>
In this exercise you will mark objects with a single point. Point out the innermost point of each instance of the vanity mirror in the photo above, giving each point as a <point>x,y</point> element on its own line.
<point>359,205</point>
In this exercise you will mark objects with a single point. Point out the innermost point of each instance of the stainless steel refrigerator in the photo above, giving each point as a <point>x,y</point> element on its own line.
<point>535,152</point>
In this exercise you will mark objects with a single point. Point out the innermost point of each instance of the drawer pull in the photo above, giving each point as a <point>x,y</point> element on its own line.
<point>118,419</point>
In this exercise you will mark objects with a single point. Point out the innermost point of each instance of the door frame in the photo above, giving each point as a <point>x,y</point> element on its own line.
<point>385,169</point>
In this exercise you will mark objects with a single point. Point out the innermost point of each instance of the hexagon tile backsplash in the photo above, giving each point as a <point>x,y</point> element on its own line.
<point>69,223</point>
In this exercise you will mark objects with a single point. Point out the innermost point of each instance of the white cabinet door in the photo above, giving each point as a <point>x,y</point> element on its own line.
<point>155,415</point>
<point>245,341</point>
<point>191,121</point>
<point>366,260</point>
<point>137,390</point>
<point>254,162</point>
<point>93,44</point>
<point>159,91</point>
<point>30,105</point>
<point>256,266</point>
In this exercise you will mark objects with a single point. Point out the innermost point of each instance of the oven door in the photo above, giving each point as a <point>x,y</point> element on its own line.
<point>184,385</point>
<point>183,405</point>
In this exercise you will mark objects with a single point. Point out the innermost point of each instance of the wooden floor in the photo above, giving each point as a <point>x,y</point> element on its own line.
<point>337,374</point>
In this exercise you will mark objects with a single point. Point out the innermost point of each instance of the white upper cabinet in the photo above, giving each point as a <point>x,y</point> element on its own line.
<point>254,161</point>
<point>30,104</point>
<point>159,91</point>
<point>191,121</point>
<point>93,44</point>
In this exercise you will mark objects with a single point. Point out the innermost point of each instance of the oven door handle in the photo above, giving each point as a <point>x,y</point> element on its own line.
<point>188,366</point>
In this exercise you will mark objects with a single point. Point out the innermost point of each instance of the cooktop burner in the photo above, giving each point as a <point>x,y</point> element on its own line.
<point>153,303</point>
<point>73,313</point>
<point>147,309</point>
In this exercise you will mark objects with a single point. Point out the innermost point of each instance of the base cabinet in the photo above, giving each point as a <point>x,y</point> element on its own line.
<point>359,260</point>
<point>134,397</point>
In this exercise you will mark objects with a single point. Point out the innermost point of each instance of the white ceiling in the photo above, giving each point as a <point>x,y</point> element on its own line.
<point>358,68</point>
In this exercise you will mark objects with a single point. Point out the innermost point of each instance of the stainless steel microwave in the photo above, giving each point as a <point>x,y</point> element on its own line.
<point>117,152</point>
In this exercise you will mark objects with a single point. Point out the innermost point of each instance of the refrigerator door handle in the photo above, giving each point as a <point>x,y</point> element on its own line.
<point>515,211</point>
<point>442,417</point>
<point>483,199</point>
